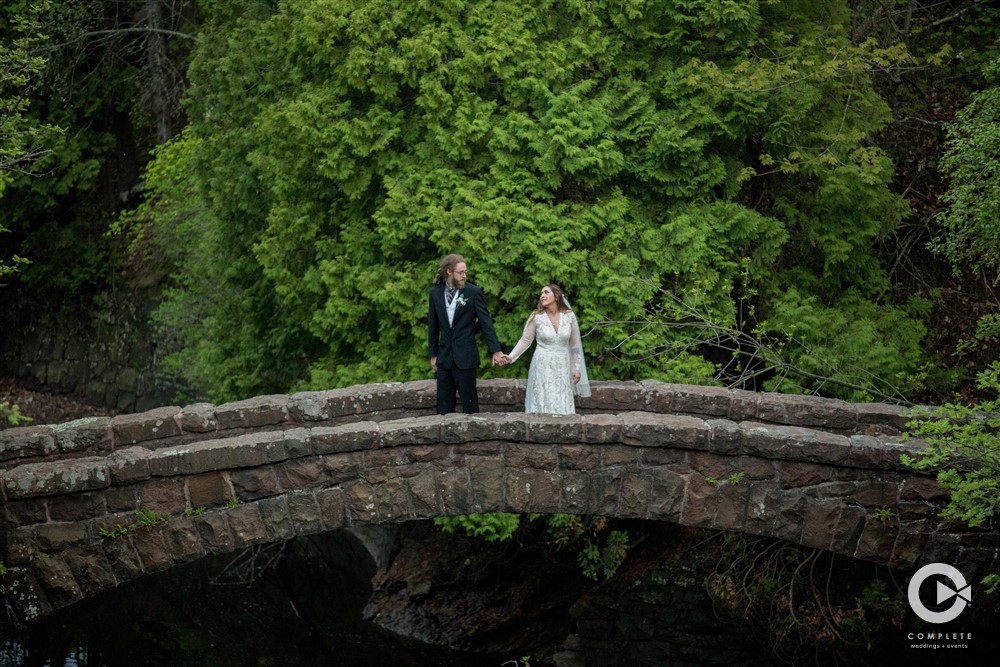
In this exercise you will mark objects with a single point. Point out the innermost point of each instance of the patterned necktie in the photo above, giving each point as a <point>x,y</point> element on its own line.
<point>451,294</point>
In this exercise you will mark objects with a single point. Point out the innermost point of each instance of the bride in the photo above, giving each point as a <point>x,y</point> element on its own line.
<point>557,369</point>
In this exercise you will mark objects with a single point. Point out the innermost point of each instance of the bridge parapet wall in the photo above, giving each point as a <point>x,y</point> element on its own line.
<point>166,426</point>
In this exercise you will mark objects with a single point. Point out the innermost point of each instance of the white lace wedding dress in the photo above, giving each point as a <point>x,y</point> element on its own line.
<point>558,353</point>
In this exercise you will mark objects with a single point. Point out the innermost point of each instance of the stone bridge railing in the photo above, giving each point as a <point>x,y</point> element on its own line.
<point>97,502</point>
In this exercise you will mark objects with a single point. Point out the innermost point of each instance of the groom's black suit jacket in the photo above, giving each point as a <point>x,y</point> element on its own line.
<point>454,344</point>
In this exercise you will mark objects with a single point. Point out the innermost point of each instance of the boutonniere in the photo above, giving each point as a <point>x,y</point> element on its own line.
<point>461,300</point>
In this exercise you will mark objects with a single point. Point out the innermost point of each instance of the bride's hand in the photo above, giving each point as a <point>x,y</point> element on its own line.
<point>576,376</point>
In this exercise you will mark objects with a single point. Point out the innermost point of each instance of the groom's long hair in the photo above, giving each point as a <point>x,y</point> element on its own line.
<point>447,264</point>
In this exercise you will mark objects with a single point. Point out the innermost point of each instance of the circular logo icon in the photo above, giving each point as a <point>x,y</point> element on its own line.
<point>962,593</point>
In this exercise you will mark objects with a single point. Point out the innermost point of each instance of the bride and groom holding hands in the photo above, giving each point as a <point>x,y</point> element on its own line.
<point>456,307</point>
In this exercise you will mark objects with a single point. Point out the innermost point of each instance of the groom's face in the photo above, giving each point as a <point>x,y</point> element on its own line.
<point>457,275</point>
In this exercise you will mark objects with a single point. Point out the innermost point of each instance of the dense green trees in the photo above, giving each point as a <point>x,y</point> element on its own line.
<point>657,159</point>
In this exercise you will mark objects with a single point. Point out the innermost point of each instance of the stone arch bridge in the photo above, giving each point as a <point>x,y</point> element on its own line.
<point>96,502</point>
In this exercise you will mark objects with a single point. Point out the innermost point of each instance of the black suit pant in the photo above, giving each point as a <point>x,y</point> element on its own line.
<point>449,379</point>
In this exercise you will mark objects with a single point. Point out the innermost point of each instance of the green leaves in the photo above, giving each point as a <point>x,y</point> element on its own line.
<point>338,149</point>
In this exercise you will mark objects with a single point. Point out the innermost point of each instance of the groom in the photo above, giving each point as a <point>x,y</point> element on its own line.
<point>454,307</point>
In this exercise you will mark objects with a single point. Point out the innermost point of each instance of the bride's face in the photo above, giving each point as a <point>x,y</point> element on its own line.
<point>546,297</point>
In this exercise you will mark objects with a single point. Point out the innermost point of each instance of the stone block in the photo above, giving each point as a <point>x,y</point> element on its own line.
<point>210,489</point>
<point>91,569</point>
<point>555,429</point>
<point>613,395</point>
<point>796,410</point>
<point>254,483</point>
<point>499,392</point>
<point>305,513</point>
<point>25,597</point>
<point>725,437</point>
<point>182,540</point>
<point>643,429</point>
<point>332,507</point>
<point>423,493</point>
<point>419,395</point>
<point>198,418</point>
<point>56,477</point>
<point>731,509</point>
<point>121,499</point>
<point>577,492</point>
<point>459,428</point>
<point>601,429</point>
<point>923,488</point>
<point>529,490</point>
<point>146,426</point>
<point>392,499</point>
<point>542,457</point>
<point>359,498</point>
<point>163,496</point>
<point>243,451</point>
<point>246,525</point>
<point>576,457</point>
<point>689,399</point>
<point>882,418</point>
<point>486,475</point>
<point>636,492</point>
<point>298,442</point>
<point>847,530</point>
<point>253,412</point>
<point>81,435</point>
<point>56,577</point>
<point>302,474</point>
<point>345,438</point>
<point>57,536</point>
<point>357,400</point>
<point>21,546</point>
<point>129,465</point>
<point>456,496</point>
<point>620,455</point>
<point>213,531</point>
<point>344,467</point>
<point>277,521</point>
<point>701,501</point>
<point>24,512</point>
<point>77,507</point>
<point>412,431</point>
<point>125,563</point>
<point>27,441</point>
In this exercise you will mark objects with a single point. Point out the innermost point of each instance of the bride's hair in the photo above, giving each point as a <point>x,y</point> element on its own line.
<point>447,264</point>
<point>557,294</point>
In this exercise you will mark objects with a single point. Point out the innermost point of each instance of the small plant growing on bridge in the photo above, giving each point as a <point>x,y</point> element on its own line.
<point>235,501</point>
<point>884,514</point>
<point>737,477</point>
<point>3,573</point>
<point>194,511</point>
<point>149,518</point>
<point>117,531</point>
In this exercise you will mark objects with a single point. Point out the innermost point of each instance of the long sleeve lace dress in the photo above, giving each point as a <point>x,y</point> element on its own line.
<point>558,354</point>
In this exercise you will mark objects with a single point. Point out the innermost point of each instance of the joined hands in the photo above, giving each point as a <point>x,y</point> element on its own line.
<point>501,359</point>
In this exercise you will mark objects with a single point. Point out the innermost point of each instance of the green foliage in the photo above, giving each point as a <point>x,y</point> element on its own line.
<point>338,148</point>
<point>11,414</point>
<point>495,527</point>
<point>235,501</point>
<point>194,511</point>
<point>969,224</point>
<point>963,448</point>
<point>149,518</point>
<point>884,514</point>
<point>601,552</point>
